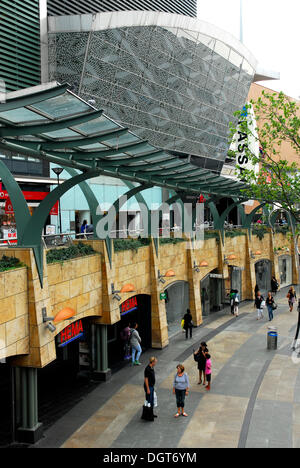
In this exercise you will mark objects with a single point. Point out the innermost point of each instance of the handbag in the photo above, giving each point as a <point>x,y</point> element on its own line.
<point>263,304</point>
<point>155,404</point>
<point>274,306</point>
<point>147,413</point>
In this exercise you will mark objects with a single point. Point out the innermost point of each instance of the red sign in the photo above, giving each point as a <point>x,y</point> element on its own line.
<point>129,305</point>
<point>28,195</point>
<point>54,210</point>
<point>70,333</point>
<point>8,207</point>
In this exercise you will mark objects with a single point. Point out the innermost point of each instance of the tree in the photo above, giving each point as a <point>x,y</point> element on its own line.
<point>270,176</point>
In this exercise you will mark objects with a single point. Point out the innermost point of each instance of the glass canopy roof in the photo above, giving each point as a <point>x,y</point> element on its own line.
<point>56,125</point>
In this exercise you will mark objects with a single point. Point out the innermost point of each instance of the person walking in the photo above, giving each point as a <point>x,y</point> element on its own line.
<point>270,303</point>
<point>259,304</point>
<point>188,323</point>
<point>125,337</point>
<point>231,298</point>
<point>208,371</point>
<point>200,358</point>
<point>180,389</point>
<point>291,295</point>
<point>149,383</point>
<point>256,289</point>
<point>274,285</point>
<point>236,301</point>
<point>135,343</point>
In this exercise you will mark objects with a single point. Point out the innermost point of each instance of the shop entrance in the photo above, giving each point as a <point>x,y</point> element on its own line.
<point>135,309</point>
<point>178,300</point>
<point>212,293</point>
<point>285,270</point>
<point>65,381</point>
<point>236,280</point>
<point>263,269</point>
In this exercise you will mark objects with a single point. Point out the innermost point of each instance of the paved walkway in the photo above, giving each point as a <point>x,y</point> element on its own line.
<point>254,399</point>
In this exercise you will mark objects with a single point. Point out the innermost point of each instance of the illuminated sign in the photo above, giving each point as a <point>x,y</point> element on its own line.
<point>129,305</point>
<point>71,333</point>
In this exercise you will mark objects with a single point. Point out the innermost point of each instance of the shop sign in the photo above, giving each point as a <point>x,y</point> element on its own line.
<point>70,333</point>
<point>129,305</point>
<point>8,207</point>
<point>28,195</point>
<point>54,210</point>
<point>216,275</point>
<point>9,234</point>
<point>162,296</point>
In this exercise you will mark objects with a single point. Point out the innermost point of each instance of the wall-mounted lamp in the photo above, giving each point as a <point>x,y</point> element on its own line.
<point>196,267</point>
<point>230,257</point>
<point>169,274</point>
<point>44,315</point>
<point>203,263</point>
<point>51,327</point>
<point>258,252</point>
<point>64,314</point>
<point>125,289</point>
<point>46,319</point>
<point>161,278</point>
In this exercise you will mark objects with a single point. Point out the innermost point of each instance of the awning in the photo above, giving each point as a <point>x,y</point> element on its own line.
<point>51,123</point>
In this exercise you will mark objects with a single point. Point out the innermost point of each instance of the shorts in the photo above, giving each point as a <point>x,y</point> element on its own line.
<point>208,377</point>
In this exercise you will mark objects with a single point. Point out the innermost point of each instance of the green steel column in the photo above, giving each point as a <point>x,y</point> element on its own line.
<point>104,357</point>
<point>24,397</point>
<point>98,348</point>
<point>29,430</point>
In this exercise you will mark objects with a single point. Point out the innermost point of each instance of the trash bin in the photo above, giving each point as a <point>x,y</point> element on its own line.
<point>272,338</point>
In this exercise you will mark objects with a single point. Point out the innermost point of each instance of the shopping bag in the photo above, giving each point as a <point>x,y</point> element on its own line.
<point>155,399</point>
<point>147,413</point>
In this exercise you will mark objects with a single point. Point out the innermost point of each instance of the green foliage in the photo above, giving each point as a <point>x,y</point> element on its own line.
<point>259,231</point>
<point>235,233</point>
<point>211,235</point>
<point>171,240</point>
<point>282,229</point>
<point>130,244</point>
<point>277,180</point>
<point>9,263</point>
<point>67,253</point>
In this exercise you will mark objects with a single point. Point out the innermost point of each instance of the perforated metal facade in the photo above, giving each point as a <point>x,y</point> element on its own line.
<point>176,88</point>
<point>74,7</point>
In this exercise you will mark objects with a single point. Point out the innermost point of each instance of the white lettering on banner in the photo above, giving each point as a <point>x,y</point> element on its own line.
<point>242,141</point>
<point>216,275</point>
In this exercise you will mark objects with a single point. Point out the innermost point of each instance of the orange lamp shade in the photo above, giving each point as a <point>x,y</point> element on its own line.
<point>170,273</point>
<point>203,264</point>
<point>232,257</point>
<point>127,288</point>
<point>64,314</point>
<point>258,252</point>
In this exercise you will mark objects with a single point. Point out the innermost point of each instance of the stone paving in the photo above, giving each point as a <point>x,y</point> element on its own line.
<point>254,399</point>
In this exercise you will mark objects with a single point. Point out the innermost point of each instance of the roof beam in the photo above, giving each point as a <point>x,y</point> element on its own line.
<point>110,152</point>
<point>49,127</point>
<point>31,99</point>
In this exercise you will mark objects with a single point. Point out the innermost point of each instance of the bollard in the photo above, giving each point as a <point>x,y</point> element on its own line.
<point>272,338</point>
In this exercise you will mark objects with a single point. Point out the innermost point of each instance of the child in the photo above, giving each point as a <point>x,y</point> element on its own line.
<point>208,371</point>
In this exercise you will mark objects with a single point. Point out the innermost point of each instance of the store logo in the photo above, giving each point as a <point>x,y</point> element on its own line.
<point>71,333</point>
<point>129,305</point>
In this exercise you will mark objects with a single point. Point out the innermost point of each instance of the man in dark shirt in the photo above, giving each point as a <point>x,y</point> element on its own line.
<point>149,381</point>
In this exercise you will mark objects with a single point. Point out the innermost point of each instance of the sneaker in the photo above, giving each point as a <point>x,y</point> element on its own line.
<point>137,363</point>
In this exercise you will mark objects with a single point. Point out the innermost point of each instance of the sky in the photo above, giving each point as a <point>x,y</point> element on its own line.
<point>271,31</point>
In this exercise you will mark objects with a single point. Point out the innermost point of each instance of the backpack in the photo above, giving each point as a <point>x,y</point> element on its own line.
<point>197,357</point>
